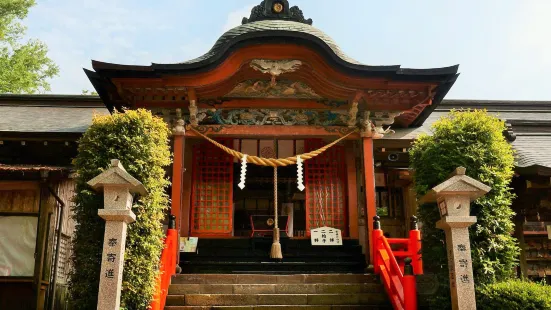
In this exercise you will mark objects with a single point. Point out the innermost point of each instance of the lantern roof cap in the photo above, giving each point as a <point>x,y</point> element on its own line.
<point>458,184</point>
<point>116,176</point>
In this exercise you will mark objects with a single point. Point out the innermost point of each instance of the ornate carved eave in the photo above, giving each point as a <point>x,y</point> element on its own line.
<point>287,117</point>
<point>372,124</point>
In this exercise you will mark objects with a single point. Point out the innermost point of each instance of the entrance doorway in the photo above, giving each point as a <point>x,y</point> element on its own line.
<point>254,205</point>
<point>219,208</point>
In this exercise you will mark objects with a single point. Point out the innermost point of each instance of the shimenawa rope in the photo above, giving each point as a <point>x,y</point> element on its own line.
<point>272,162</point>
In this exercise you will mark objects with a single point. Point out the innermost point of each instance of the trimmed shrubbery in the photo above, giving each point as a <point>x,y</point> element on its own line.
<point>474,140</point>
<point>514,294</point>
<point>140,141</point>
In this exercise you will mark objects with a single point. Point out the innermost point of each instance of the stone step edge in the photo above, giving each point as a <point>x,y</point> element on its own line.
<point>276,288</point>
<point>280,299</point>
<point>253,278</point>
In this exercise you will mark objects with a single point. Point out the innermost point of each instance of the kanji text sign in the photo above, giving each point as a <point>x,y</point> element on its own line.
<point>326,236</point>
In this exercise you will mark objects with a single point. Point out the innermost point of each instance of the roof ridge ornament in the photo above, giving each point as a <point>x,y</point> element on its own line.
<point>276,9</point>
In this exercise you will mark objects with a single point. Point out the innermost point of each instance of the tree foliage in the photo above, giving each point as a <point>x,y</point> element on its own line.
<point>140,141</point>
<point>474,140</point>
<point>87,92</point>
<point>514,294</point>
<point>24,66</point>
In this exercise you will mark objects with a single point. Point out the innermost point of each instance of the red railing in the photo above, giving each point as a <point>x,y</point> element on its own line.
<point>397,266</point>
<point>167,269</point>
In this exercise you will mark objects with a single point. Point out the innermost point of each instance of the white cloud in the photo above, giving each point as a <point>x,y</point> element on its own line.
<point>235,17</point>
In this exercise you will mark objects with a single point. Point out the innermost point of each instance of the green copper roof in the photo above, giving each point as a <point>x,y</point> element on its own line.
<point>272,28</point>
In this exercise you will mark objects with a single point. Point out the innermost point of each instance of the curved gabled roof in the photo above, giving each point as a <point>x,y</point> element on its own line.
<point>281,27</point>
<point>289,26</point>
<point>286,31</point>
<point>274,22</point>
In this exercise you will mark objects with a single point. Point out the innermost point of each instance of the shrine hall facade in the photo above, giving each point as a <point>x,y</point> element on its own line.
<point>272,88</point>
<point>277,87</point>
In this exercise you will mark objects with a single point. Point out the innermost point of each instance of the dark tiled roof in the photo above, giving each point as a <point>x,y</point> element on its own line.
<point>529,120</point>
<point>48,113</point>
<point>272,25</point>
<point>279,31</point>
<point>533,150</point>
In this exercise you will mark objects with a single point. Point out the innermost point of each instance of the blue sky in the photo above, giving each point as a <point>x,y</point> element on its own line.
<point>503,47</point>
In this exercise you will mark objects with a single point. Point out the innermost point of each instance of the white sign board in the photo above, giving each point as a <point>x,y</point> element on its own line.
<point>326,236</point>
<point>189,244</point>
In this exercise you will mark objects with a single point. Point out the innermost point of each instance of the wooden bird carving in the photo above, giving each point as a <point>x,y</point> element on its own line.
<point>275,67</point>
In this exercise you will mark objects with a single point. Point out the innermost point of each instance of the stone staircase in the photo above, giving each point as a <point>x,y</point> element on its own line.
<point>258,291</point>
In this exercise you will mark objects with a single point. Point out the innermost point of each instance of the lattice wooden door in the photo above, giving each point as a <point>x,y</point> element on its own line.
<point>212,195</point>
<point>325,181</point>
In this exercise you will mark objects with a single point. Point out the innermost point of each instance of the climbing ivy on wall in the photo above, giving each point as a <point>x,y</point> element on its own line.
<point>474,140</point>
<point>141,142</point>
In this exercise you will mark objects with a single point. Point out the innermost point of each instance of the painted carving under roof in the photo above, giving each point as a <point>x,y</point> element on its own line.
<point>267,89</point>
<point>275,67</point>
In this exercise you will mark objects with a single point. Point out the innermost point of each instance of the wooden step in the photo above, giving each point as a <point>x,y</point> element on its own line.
<point>275,299</point>
<point>273,279</point>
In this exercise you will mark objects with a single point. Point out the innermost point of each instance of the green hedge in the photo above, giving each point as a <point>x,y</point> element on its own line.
<point>474,140</point>
<point>513,295</point>
<point>141,142</point>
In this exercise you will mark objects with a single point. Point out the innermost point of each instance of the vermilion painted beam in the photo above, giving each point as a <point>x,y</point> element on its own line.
<point>286,103</point>
<point>292,132</point>
<point>369,174</point>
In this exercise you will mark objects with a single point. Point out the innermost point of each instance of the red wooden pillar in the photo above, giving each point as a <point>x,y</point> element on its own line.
<point>369,174</point>
<point>352,191</point>
<point>177,177</point>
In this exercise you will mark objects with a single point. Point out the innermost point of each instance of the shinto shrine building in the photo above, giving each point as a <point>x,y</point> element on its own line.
<point>273,87</point>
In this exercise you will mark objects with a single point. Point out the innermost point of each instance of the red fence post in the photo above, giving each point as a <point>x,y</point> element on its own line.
<point>167,267</point>
<point>376,239</point>
<point>414,246</point>
<point>410,287</point>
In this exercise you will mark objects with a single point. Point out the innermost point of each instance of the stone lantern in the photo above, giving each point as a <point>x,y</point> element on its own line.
<point>454,197</point>
<point>117,186</point>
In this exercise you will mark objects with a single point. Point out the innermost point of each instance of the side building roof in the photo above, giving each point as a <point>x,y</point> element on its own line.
<point>48,115</point>
<point>529,129</point>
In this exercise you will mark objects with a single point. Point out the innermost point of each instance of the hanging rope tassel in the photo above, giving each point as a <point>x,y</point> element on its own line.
<point>276,246</point>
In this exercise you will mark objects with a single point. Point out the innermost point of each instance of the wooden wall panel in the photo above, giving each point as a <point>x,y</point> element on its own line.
<point>66,191</point>
<point>19,197</point>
